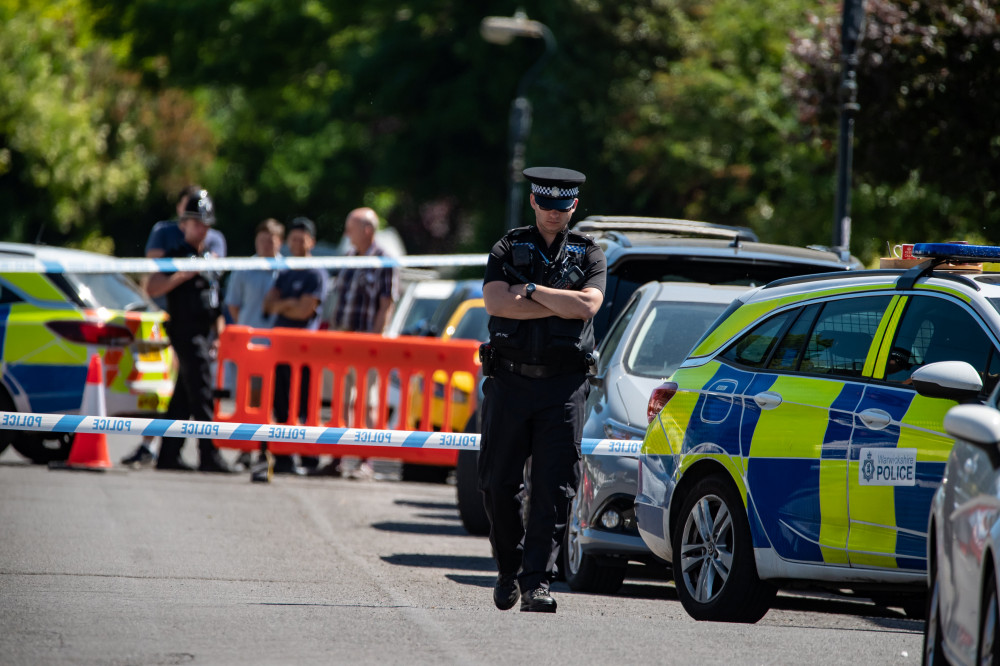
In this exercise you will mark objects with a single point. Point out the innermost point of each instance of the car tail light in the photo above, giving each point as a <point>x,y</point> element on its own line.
<point>660,396</point>
<point>92,333</point>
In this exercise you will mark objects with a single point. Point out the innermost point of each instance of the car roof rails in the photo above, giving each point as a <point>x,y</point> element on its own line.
<point>663,225</point>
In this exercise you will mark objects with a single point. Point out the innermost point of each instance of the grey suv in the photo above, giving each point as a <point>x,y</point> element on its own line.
<point>644,249</point>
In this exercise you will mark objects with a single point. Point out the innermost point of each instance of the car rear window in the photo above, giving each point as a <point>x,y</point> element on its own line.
<point>102,290</point>
<point>473,325</point>
<point>666,335</point>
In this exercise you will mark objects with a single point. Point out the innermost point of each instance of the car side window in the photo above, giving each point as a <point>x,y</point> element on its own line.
<point>839,342</point>
<point>607,348</point>
<point>935,329</point>
<point>7,295</point>
<point>789,352</point>
<point>753,348</point>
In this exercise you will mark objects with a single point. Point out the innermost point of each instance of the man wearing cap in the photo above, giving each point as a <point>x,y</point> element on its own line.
<point>543,286</point>
<point>295,300</point>
<point>195,319</point>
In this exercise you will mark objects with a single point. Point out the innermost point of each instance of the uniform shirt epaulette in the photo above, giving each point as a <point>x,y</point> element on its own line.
<point>519,231</point>
<point>579,235</point>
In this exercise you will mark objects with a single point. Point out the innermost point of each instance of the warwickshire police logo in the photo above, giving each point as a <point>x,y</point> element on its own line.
<point>868,468</point>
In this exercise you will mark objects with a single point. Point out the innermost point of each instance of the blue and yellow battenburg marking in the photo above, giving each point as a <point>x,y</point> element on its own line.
<point>819,487</point>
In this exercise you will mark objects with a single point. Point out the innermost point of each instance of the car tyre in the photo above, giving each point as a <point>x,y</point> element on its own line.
<point>470,500</point>
<point>933,651</point>
<point>586,573</point>
<point>988,650</point>
<point>7,437</point>
<point>42,450</point>
<point>425,473</point>
<point>714,568</point>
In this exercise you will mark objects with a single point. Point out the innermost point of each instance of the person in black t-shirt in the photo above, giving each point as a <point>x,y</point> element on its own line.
<point>195,319</point>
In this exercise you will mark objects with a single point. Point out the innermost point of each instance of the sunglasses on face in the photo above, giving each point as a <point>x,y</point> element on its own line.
<point>544,209</point>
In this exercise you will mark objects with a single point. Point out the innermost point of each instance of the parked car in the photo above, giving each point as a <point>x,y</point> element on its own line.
<point>803,437</point>
<point>50,326</point>
<point>643,249</point>
<point>417,306</point>
<point>963,617</point>
<point>648,341</point>
<point>468,322</point>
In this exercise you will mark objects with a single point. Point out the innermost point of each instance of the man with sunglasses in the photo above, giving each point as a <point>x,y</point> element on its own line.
<point>542,287</point>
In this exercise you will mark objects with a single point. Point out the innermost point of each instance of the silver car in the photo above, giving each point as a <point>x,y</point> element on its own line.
<point>963,618</point>
<point>653,335</point>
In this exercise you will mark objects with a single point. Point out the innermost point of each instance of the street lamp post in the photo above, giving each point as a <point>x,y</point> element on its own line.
<point>502,30</point>
<point>852,24</point>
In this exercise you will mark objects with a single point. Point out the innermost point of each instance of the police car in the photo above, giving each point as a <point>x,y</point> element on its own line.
<point>803,439</point>
<point>51,324</point>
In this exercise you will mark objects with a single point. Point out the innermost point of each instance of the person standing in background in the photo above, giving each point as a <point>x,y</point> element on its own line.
<point>295,300</point>
<point>166,237</point>
<point>195,320</point>
<point>245,295</point>
<point>365,298</point>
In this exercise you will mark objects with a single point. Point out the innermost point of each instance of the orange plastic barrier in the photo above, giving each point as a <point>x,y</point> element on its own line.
<point>349,379</point>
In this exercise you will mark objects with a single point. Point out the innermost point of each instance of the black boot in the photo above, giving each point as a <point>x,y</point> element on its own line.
<point>170,456</point>
<point>212,461</point>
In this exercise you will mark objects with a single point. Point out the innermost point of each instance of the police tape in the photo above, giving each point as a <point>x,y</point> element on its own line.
<point>111,425</point>
<point>219,264</point>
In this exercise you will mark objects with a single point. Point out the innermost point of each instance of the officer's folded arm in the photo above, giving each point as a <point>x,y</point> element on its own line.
<point>504,300</point>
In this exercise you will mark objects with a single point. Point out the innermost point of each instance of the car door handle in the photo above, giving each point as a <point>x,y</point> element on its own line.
<point>876,419</point>
<point>767,400</point>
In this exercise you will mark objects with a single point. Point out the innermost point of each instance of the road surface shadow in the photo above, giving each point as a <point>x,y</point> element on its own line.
<point>450,506</point>
<point>438,516</point>
<point>467,562</point>
<point>421,528</point>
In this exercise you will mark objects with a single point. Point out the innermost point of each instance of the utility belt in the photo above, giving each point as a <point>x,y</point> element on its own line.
<point>491,360</point>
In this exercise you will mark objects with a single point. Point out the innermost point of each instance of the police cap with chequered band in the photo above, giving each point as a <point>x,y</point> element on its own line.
<point>555,187</point>
<point>199,207</point>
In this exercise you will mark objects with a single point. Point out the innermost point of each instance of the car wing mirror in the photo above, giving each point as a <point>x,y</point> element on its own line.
<point>953,380</point>
<point>978,425</point>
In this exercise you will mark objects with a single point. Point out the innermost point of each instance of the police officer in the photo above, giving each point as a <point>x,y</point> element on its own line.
<point>543,286</point>
<point>195,318</point>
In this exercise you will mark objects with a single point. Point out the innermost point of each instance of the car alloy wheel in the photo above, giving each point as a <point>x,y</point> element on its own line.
<point>933,652</point>
<point>714,567</point>
<point>707,548</point>
<point>989,629</point>
<point>586,573</point>
<point>574,551</point>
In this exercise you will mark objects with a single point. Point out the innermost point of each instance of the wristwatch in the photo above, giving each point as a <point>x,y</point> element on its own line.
<point>529,289</point>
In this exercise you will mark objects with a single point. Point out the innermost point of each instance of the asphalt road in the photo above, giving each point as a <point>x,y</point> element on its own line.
<point>146,567</point>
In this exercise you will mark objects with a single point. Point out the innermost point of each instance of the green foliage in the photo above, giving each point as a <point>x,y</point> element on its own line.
<point>706,109</point>
<point>62,151</point>
<point>927,141</point>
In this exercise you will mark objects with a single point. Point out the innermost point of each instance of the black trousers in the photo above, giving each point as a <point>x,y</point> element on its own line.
<point>192,396</point>
<point>282,392</point>
<point>543,419</point>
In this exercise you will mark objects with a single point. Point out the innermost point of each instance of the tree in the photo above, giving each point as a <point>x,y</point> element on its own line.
<point>62,154</point>
<point>927,150</point>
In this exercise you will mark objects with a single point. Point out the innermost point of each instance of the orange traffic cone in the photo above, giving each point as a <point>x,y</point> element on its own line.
<point>90,450</point>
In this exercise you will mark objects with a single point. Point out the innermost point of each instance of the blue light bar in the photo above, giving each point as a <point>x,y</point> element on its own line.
<point>957,252</point>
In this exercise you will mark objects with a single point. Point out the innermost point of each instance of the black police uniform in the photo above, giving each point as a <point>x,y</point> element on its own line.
<point>193,306</point>
<point>534,404</point>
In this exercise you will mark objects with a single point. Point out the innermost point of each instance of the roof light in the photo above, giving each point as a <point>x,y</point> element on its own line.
<point>957,252</point>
